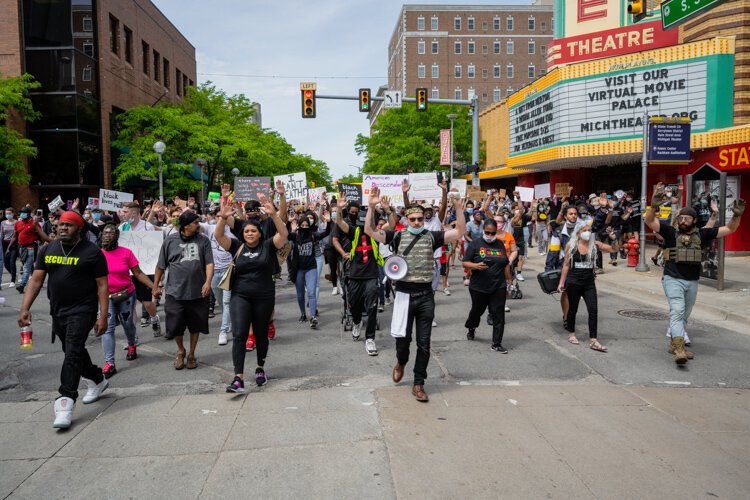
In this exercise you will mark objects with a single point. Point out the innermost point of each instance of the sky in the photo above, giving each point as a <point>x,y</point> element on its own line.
<point>264,48</point>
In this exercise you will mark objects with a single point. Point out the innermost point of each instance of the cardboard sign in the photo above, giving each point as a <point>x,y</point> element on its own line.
<point>474,193</point>
<point>541,191</point>
<point>113,200</point>
<point>145,245</point>
<point>502,193</point>
<point>389,185</point>
<point>458,186</point>
<point>313,194</point>
<point>55,204</point>
<point>526,194</point>
<point>562,189</point>
<point>353,192</point>
<point>247,188</point>
<point>424,187</point>
<point>295,185</point>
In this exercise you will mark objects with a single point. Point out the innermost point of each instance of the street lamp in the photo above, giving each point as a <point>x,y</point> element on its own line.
<point>451,117</point>
<point>159,148</point>
<point>202,164</point>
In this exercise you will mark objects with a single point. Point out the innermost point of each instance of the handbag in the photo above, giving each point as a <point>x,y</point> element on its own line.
<point>119,297</point>
<point>226,281</point>
<point>549,280</point>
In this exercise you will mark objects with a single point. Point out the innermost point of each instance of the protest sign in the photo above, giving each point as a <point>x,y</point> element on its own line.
<point>459,186</point>
<point>313,194</point>
<point>93,202</point>
<point>55,204</point>
<point>295,185</point>
<point>214,196</point>
<point>113,200</point>
<point>352,192</point>
<point>474,193</point>
<point>541,191</point>
<point>562,189</point>
<point>247,188</point>
<point>502,193</point>
<point>145,245</point>
<point>389,185</point>
<point>526,193</point>
<point>424,186</point>
<point>445,146</point>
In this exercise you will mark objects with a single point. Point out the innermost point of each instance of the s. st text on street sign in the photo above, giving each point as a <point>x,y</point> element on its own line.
<point>676,12</point>
<point>669,142</point>
<point>308,86</point>
<point>392,99</point>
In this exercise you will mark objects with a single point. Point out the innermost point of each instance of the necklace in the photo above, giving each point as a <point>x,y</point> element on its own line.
<point>71,250</point>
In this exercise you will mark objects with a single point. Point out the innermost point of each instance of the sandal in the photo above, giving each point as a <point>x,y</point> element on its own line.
<point>573,340</point>
<point>191,363</point>
<point>596,346</point>
<point>179,360</point>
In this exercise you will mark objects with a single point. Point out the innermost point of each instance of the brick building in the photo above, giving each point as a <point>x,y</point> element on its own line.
<point>457,51</point>
<point>94,59</point>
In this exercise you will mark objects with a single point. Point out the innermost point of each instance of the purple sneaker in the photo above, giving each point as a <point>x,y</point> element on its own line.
<point>237,386</point>
<point>260,377</point>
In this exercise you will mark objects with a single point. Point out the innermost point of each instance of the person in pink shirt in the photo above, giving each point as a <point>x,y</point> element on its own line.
<point>120,262</point>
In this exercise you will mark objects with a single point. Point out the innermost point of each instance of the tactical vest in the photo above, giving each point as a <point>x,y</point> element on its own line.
<point>420,258</point>
<point>688,249</point>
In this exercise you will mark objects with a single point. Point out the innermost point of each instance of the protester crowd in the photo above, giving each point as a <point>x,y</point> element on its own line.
<point>225,257</point>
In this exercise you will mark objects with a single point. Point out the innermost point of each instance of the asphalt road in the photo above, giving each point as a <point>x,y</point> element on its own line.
<point>301,358</point>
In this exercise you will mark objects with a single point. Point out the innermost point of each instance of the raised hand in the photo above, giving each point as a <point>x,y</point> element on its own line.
<point>342,202</point>
<point>225,211</point>
<point>280,188</point>
<point>405,186</point>
<point>714,206</point>
<point>385,201</point>
<point>738,207</point>
<point>374,197</point>
<point>267,204</point>
<point>444,184</point>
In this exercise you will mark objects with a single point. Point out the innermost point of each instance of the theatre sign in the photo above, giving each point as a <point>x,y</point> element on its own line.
<point>606,100</point>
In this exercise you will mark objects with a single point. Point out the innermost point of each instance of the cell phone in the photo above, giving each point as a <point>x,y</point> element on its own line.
<point>39,212</point>
<point>440,177</point>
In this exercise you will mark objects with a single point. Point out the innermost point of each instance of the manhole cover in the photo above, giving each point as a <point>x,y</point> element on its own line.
<point>644,314</point>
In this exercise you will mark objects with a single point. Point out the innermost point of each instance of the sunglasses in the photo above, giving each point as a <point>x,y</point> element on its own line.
<point>416,219</point>
<point>487,233</point>
<point>685,218</point>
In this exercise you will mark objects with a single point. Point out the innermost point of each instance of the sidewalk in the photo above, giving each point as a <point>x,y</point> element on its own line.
<point>535,441</point>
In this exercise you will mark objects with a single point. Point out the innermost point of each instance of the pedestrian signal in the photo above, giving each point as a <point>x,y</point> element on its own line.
<point>308,104</point>
<point>421,99</point>
<point>364,100</point>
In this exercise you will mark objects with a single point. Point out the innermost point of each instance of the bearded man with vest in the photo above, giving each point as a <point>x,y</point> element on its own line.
<point>415,302</point>
<point>682,263</point>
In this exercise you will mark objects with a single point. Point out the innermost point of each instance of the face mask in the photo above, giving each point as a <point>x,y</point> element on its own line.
<point>304,229</point>
<point>96,216</point>
<point>24,215</point>
<point>585,235</point>
<point>668,193</point>
<point>87,216</point>
<point>414,230</point>
<point>570,225</point>
<point>614,204</point>
<point>333,215</point>
<point>212,222</point>
<point>175,221</point>
<point>488,239</point>
<point>353,218</point>
<point>8,215</point>
<point>470,210</point>
<point>703,203</point>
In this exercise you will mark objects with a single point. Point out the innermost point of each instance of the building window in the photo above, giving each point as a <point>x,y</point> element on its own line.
<point>457,24</point>
<point>420,23</point>
<point>420,71</point>
<point>485,73</point>
<point>496,71</point>
<point>496,24</point>
<point>496,48</point>
<point>509,47</point>
<point>532,47</point>
<point>544,26</point>
<point>471,48</point>
<point>542,72</point>
<point>178,81</point>
<point>532,71</point>
<point>509,23</point>
<point>434,23</point>
<point>457,71</point>
<point>157,65</point>
<point>420,47</point>
<point>484,96</point>
<point>185,84</point>
<point>457,94</point>
<point>435,71</point>
<point>509,70</point>
<point>114,35</point>
<point>145,53</point>
<point>472,93</point>
<point>86,76</point>
<point>471,71</point>
<point>496,95</point>
<point>166,73</point>
<point>509,91</point>
<point>484,49</point>
<point>88,49</point>
<point>191,83</point>
<point>532,24</point>
<point>543,50</point>
<point>435,94</point>
<point>128,44</point>
<point>88,23</point>
<point>434,47</point>
<point>457,47</point>
<point>470,24</point>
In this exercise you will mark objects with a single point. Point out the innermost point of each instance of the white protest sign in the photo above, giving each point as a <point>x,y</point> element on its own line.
<point>313,194</point>
<point>145,245</point>
<point>458,186</point>
<point>527,194</point>
<point>295,185</point>
<point>55,204</point>
<point>389,185</point>
<point>424,187</point>
<point>113,200</point>
<point>541,191</point>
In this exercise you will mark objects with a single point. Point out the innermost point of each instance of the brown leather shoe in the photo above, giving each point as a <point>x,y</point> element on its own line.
<point>179,360</point>
<point>418,391</point>
<point>192,363</point>
<point>398,373</point>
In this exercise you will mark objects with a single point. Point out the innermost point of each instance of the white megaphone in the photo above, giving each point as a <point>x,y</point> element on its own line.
<point>395,267</point>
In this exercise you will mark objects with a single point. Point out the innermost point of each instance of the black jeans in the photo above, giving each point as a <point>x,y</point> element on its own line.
<point>588,292</point>
<point>363,295</point>
<point>72,332</point>
<point>246,311</point>
<point>332,260</point>
<point>10,260</point>
<point>421,311</point>
<point>496,303</point>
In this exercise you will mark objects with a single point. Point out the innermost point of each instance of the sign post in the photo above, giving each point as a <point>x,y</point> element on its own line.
<point>642,267</point>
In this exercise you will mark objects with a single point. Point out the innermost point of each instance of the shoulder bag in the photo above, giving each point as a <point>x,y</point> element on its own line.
<point>226,280</point>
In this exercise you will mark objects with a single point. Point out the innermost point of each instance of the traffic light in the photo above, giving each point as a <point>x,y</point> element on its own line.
<point>637,9</point>
<point>364,100</point>
<point>421,99</point>
<point>308,104</point>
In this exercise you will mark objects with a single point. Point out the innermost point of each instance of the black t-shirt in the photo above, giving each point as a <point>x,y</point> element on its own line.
<point>304,250</point>
<point>554,209</point>
<point>518,229</point>
<point>438,240</point>
<point>344,240</point>
<point>495,256</point>
<point>254,269</point>
<point>581,271</point>
<point>363,266</point>
<point>72,279</point>
<point>691,272</point>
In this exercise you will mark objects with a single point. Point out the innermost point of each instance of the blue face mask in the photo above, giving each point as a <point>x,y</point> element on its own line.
<point>414,230</point>
<point>96,216</point>
<point>470,210</point>
<point>24,215</point>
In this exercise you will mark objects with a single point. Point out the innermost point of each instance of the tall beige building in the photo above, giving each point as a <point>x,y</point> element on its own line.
<point>458,51</point>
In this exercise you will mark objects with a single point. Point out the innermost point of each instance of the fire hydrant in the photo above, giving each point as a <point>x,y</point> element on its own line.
<point>633,247</point>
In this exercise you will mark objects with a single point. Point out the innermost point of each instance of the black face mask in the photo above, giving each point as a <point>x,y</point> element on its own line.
<point>354,218</point>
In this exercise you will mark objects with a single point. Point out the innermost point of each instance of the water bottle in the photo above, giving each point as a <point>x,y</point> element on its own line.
<point>26,337</point>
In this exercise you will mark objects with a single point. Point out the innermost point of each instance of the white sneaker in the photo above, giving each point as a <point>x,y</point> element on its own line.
<point>63,412</point>
<point>222,338</point>
<point>507,309</point>
<point>434,323</point>
<point>335,291</point>
<point>447,292</point>
<point>94,390</point>
<point>388,301</point>
<point>11,285</point>
<point>370,347</point>
<point>355,331</point>
<point>519,277</point>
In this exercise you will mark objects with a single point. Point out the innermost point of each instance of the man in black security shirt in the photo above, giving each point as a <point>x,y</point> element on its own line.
<point>77,288</point>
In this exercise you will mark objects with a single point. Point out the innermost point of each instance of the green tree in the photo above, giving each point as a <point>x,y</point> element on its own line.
<point>403,139</point>
<point>212,125</point>
<point>15,105</point>
<point>351,179</point>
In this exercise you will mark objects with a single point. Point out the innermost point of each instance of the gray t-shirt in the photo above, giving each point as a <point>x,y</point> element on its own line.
<point>186,261</point>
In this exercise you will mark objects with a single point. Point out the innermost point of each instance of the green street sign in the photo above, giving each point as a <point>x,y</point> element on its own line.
<point>676,12</point>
